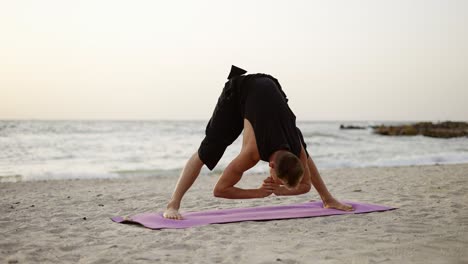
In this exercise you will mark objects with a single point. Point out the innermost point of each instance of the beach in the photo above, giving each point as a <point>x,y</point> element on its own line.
<point>68,221</point>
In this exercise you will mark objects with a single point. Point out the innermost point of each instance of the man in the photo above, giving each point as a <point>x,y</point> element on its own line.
<point>256,104</point>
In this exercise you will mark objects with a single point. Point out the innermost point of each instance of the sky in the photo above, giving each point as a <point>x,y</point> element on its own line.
<point>336,60</point>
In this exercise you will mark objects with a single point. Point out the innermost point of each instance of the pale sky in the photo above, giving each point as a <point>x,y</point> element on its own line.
<point>336,60</point>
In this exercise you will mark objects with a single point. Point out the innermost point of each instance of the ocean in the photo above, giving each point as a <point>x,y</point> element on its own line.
<point>43,150</point>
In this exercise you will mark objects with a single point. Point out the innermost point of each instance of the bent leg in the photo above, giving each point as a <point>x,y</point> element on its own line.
<point>328,200</point>
<point>186,179</point>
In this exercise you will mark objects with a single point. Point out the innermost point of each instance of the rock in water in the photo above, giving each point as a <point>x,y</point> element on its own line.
<point>446,129</point>
<point>351,127</point>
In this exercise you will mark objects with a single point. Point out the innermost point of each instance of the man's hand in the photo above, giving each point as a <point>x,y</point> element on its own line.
<point>270,185</point>
<point>267,187</point>
<point>332,203</point>
<point>172,213</point>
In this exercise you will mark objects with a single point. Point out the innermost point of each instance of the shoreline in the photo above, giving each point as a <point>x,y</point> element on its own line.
<point>68,221</point>
<point>124,175</point>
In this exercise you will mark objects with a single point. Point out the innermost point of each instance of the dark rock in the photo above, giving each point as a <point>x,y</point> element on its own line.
<point>101,205</point>
<point>406,130</point>
<point>444,133</point>
<point>447,129</point>
<point>351,127</point>
<point>32,205</point>
<point>84,218</point>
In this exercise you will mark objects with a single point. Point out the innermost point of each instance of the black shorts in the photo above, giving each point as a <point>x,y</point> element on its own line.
<point>227,123</point>
<point>224,127</point>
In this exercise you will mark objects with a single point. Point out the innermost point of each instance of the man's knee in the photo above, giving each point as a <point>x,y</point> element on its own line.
<point>210,152</point>
<point>196,161</point>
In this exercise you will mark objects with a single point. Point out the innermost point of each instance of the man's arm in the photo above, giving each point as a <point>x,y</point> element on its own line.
<point>232,174</point>
<point>314,178</point>
<point>328,200</point>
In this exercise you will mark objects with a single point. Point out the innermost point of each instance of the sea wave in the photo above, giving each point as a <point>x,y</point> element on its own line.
<point>42,150</point>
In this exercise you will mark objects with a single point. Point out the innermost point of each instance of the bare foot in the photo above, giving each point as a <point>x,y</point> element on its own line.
<point>172,213</point>
<point>335,204</point>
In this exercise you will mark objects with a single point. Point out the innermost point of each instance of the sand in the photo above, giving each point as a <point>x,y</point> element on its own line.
<point>67,221</point>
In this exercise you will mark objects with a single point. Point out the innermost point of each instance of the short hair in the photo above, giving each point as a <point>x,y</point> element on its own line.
<point>288,168</point>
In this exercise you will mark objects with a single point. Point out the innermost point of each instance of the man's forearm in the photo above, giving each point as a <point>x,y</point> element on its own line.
<point>301,189</point>
<point>238,193</point>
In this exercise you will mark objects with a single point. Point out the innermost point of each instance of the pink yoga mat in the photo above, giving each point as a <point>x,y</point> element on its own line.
<point>264,213</point>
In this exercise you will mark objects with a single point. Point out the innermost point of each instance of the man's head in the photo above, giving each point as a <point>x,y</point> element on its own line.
<point>287,168</point>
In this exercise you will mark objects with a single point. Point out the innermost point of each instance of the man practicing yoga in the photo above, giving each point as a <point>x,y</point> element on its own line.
<point>256,104</point>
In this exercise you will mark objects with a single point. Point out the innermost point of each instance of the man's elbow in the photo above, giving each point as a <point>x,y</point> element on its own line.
<point>306,188</point>
<point>219,193</point>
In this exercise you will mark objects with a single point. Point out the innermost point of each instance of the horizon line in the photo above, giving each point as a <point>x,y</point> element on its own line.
<point>206,120</point>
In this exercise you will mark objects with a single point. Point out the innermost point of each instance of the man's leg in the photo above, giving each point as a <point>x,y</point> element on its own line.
<point>186,179</point>
<point>328,200</point>
<point>224,127</point>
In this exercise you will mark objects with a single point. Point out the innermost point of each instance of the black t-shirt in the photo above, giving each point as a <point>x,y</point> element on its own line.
<point>264,104</point>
